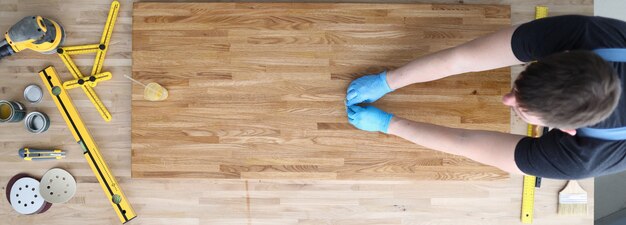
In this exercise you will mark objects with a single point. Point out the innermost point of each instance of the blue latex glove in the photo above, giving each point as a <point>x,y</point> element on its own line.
<point>369,118</point>
<point>368,89</point>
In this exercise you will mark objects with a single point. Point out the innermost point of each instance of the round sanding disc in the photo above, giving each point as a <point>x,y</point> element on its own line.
<point>12,181</point>
<point>25,197</point>
<point>10,184</point>
<point>57,186</point>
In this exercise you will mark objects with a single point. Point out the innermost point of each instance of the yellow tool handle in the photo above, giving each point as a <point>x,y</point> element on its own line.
<point>82,136</point>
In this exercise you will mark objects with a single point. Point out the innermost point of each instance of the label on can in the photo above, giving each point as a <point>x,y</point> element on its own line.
<point>11,112</point>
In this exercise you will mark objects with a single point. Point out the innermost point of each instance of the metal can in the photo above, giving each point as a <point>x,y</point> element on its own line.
<point>33,93</point>
<point>37,122</point>
<point>11,111</point>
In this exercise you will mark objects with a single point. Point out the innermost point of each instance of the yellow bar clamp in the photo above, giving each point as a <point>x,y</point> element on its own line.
<point>75,124</point>
<point>100,50</point>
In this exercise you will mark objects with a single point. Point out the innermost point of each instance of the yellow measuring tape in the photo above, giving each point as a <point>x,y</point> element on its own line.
<point>530,182</point>
<point>87,83</point>
<point>528,199</point>
<point>75,124</point>
<point>541,12</point>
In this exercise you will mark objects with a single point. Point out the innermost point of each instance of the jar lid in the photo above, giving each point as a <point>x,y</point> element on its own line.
<point>33,93</point>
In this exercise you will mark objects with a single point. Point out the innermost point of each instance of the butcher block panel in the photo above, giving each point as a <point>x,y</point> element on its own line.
<point>256,90</point>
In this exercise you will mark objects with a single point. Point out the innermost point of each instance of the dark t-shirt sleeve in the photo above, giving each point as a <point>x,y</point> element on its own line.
<point>545,156</point>
<point>539,38</point>
<point>559,155</point>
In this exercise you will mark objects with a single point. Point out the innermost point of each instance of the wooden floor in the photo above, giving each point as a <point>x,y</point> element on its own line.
<point>257,90</point>
<point>203,201</point>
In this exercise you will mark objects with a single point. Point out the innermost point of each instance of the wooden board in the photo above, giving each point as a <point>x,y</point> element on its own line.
<point>257,89</point>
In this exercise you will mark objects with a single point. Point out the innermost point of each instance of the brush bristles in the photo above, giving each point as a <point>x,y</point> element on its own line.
<point>572,209</point>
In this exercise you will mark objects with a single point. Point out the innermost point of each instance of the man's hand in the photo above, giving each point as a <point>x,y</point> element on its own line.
<point>368,89</point>
<point>369,118</point>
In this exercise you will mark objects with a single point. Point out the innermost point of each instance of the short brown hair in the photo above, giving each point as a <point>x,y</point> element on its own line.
<point>569,90</point>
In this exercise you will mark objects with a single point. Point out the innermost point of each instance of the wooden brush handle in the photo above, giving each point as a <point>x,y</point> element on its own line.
<point>572,187</point>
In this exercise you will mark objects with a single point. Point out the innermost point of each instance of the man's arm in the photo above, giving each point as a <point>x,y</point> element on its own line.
<point>487,147</point>
<point>488,52</point>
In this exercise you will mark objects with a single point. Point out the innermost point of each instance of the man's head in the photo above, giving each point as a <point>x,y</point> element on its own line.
<point>566,90</point>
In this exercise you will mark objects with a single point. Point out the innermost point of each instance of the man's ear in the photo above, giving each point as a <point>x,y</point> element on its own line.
<point>570,132</point>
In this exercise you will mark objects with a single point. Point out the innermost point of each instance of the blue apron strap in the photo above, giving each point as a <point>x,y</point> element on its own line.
<point>612,134</point>
<point>612,54</point>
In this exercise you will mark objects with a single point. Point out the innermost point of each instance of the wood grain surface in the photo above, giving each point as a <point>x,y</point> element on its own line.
<point>257,90</point>
<point>231,201</point>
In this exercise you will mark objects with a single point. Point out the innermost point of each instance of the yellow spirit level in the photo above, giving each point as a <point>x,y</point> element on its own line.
<point>87,83</point>
<point>75,124</point>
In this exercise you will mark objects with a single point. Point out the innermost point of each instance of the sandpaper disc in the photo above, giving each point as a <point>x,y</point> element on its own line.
<point>57,186</point>
<point>10,184</point>
<point>24,196</point>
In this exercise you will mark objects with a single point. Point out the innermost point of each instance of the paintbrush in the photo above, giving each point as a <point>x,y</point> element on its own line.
<point>572,200</point>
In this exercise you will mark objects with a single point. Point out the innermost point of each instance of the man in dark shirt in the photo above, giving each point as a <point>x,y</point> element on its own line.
<point>569,87</point>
